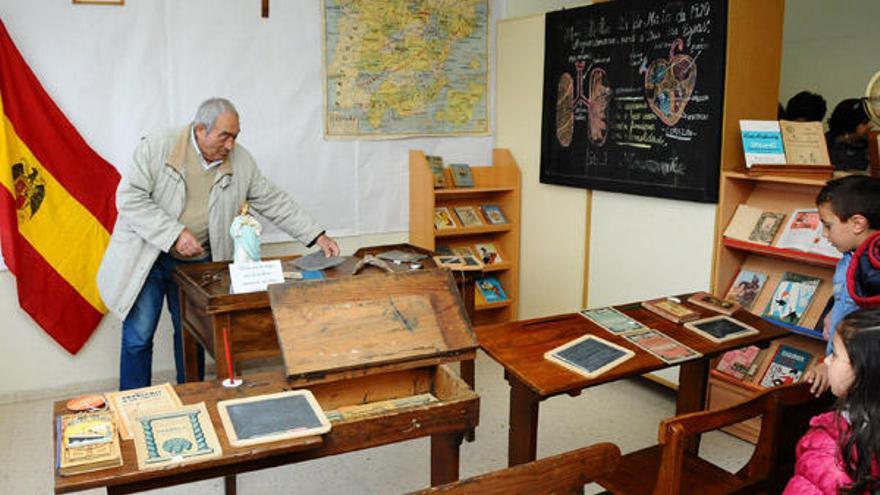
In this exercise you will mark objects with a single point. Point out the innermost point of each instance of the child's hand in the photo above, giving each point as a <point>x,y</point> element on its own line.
<point>818,376</point>
<point>826,327</point>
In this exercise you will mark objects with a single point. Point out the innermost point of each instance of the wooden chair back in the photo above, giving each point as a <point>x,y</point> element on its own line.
<point>561,474</point>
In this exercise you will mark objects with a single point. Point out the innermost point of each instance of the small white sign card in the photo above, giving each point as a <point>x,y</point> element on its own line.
<point>255,276</point>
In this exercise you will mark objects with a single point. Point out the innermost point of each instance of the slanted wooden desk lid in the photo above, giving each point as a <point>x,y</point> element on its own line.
<point>341,328</point>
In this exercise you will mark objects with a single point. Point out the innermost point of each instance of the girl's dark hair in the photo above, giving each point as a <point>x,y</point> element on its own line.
<point>847,115</point>
<point>860,448</point>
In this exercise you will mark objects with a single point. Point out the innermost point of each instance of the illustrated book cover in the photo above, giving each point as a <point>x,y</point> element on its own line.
<point>490,289</point>
<point>804,143</point>
<point>179,436</point>
<point>766,227</point>
<point>720,328</point>
<point>662,346</point>
<point>803,232</point>
<point>787,366</point>
<point>493,214</point>
<point>792,297</point>
<point>708,301</point>
<point>488,253</point>
<point>671,310</point>
<point>612,320</point>
<point>461,175</point>
<point>589,355</point>
<point>129,404</point>
<point>443,218</point>
<point>86,442</point>
<point>739,363</point>
<point>746,287</point>
<point>272,417</point>
<point>436,164</point>
<point>469,216</point>
<point>762,142</point>
<point>744,220</point>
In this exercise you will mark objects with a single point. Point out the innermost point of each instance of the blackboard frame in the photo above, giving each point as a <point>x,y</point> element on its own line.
<point>673,169</point>
<point>234,431</point>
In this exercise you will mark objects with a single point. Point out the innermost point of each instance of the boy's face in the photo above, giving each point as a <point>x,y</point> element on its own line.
<point>840,372</point>
<point>842,235</point>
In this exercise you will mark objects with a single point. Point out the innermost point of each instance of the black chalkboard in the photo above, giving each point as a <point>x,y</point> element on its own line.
<point>275,416</point>
<point>633,97</point>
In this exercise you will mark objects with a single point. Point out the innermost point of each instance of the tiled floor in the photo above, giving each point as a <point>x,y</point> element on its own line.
<point>626,413</point>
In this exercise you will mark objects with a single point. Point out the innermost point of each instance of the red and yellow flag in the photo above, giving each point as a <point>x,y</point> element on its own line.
<point>57,206</point>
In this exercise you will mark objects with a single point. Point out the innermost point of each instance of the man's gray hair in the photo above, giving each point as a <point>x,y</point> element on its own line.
<point>210,109</point>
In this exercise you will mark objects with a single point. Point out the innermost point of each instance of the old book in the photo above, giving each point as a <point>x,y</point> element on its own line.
<point>791,298</point>
<point>787,366</point>
<point>469,216</point>
<point>804,143</point>
<point>179,436</point>
<point>766,227</point>
<point>443,218</point>
<point>613,320</point>
<point>746,288</point>
<point>762,142</point>
<point>493,214</point>
<point>738,362</point>
<point>803,232</point>
<point>671,310</point>
<point>87,442</point>
<point>370,409</point>
<point>489,288</point>
<point>436,164</point>
<point>662,346</point>
<point>129,404</point>
<point>708,301</point>
<point>743,222</point>
<point>589,355</point>
<point>488,253</point>
<point>461,175</point>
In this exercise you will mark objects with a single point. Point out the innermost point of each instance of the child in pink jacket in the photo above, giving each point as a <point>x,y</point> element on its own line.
<point>838,454</point>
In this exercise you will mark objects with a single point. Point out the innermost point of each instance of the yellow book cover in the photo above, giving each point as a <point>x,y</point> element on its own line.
<point>129,404</point>
<point>87,442</point>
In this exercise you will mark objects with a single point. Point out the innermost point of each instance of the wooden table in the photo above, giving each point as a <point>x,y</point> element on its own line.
<point>207,307</point>
<point>520,346</point>
<point>445,422</point>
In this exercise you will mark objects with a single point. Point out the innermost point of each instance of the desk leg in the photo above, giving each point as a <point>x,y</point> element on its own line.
<point>190,351</point>
<point>444,457</point>
<point>692,386</point>
<point>229,482</point>
<point>523,436</point>
<point>468,374</point>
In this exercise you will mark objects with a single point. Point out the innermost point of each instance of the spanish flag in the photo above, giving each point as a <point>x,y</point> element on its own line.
<point>57,206</point>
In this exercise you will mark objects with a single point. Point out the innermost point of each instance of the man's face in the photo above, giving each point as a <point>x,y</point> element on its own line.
<point>217,144</point>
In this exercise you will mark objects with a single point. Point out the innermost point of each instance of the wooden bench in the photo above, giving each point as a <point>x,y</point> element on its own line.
<point>672,467</point>
<point>561,474</point>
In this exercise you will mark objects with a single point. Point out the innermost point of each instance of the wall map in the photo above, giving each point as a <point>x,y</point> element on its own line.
<point>633,97</point>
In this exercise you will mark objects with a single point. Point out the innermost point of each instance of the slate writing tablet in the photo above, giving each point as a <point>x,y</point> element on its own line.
<point>720,328</point>
<point>589,355</point>
<point>272,417</point>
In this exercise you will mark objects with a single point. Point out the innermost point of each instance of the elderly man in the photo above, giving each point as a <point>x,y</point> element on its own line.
<point>175,205</point>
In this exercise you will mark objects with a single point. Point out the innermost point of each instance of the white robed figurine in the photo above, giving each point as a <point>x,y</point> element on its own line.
<point>245,232</point>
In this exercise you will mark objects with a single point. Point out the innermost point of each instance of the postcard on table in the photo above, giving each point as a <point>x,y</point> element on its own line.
<point>720,328</point>
<point>612,320</point>
<point>468,216</point>
<point>746,287</point>
<point>589,355</point>
<point>662,346</point>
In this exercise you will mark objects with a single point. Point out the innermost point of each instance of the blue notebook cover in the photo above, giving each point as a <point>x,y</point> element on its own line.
<point>491,289</point>
<point>762,141</point>
<point>461,175</point>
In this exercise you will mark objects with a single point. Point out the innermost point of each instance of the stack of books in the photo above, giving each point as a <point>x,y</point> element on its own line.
<point>87,442</point>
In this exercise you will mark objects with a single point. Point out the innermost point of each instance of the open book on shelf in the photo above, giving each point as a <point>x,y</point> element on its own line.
<point>804,233</point>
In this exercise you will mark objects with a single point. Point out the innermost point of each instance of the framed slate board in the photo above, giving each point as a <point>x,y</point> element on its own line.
<point>720,328</point>
<point>589,355</point>
<point>633,97</point>
<point>272,417</point>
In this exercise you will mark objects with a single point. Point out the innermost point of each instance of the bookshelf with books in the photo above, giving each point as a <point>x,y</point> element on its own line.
<point>483,219</point>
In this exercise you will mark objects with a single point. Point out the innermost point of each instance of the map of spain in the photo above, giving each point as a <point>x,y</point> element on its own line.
<point>406,67</point>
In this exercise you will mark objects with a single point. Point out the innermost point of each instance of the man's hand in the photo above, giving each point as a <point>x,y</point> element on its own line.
<point>328,245</point>
<point>187,245</point>
<point>818,376</point>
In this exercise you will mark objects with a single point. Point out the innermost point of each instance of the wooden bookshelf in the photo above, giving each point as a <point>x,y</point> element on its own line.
<point>496,184</point>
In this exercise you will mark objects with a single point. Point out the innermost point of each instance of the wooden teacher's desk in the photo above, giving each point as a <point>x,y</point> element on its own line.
<point>520,346</point>
<point>207,308</point>
<point>445,421</point>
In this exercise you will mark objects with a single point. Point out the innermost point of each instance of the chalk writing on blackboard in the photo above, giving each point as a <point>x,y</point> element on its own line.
<point>633,97</point>
<point>589,355</point>
<point>272,417</point>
